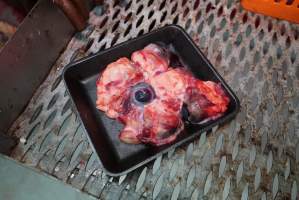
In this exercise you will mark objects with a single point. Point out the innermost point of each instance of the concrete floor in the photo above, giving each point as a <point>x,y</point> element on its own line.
<point>22,183</point>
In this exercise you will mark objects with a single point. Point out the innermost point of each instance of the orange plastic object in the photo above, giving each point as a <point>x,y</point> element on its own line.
<point>283,9</point>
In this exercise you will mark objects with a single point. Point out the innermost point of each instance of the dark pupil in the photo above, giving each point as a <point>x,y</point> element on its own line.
<point>143,95</point>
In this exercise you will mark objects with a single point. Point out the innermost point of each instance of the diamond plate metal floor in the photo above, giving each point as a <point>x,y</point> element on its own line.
<point>255,156</point>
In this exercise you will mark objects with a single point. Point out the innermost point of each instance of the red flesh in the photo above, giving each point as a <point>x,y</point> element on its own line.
<point>158,122</point>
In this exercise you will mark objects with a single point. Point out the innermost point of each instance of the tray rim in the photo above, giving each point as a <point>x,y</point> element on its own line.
<point>186,140</point>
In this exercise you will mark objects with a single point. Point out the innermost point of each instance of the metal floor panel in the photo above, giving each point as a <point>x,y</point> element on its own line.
<point>256,156</point>
<point>23,183</point>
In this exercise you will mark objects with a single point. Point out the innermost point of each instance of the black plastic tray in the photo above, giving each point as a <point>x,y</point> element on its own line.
<point>118,158</point>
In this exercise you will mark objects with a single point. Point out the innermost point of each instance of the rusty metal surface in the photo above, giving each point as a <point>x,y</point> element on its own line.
<point>73,13</point>
<point>28,57</point>
<point>256,156</point>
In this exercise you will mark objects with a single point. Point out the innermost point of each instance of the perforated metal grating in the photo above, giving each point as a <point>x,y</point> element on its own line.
<point>255,156</point>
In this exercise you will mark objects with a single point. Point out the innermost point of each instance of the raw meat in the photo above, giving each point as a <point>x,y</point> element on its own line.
<point>153,100</point>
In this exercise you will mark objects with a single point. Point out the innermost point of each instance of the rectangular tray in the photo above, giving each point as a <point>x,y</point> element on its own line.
<point>118,158</point>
